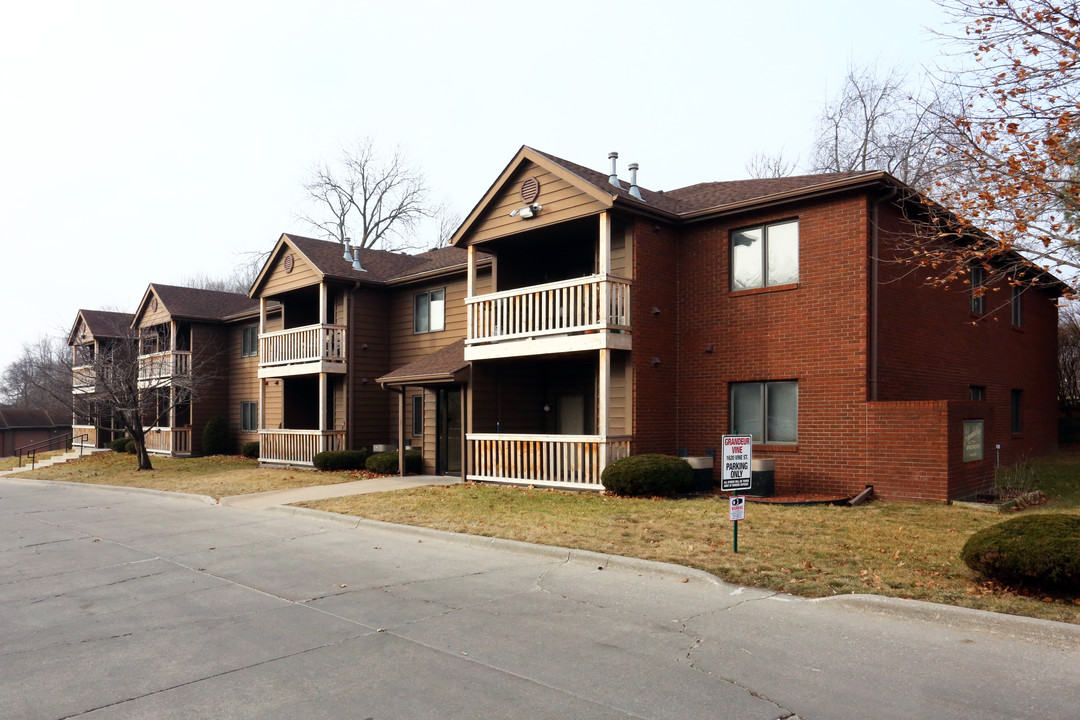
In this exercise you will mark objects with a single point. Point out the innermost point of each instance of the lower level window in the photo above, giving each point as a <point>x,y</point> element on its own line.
<point>973,440</point>
<point>249,413</point>
<point>767,410</point>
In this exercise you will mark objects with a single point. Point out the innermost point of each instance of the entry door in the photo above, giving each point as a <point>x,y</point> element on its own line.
<point>448,432</point>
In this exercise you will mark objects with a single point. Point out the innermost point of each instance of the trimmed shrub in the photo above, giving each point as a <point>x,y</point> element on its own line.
<point>250,449</point>
<point>129,446</point>
<point>120,444</point>
<point>1037,550</point>
<point>386,463</point>
<point>642,475</point>
<point>215,437</point>
<point>340,460</point>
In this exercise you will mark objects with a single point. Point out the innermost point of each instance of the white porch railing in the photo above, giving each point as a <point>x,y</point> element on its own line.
<point>168,441</point>
<point>596,302</point>
<point>297,447</point>
<point>312,343</point>
<point>83,379</point>
<point>164,365</point>
<point>574,461</point>
<point>89,431</point>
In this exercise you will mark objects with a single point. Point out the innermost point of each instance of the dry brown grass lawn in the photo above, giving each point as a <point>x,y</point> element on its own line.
<point>219,476</point>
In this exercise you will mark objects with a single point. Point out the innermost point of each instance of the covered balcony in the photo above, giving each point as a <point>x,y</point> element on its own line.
<point>168,441</point>
<point>300,417</point>
<point>310,349</point>
<point>558,289</point>
<point>155,368</point>
<point>83,379</point>
<point>555,421</point>
<point>297,447</point>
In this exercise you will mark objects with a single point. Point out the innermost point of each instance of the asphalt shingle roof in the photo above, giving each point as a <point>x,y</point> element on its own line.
<point>197,304</point>
<point>441,363</point>
<point>380,266</point>
<point>106,324</point>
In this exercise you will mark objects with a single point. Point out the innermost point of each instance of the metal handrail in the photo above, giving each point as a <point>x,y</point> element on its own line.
<point>32,448</point>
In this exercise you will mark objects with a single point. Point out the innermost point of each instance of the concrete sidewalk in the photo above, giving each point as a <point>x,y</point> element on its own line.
<point>263,500</point>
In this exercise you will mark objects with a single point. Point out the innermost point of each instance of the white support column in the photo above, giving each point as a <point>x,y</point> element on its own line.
<point>401,431</point>
<point>322,303</point>
<point>603,404</point>
<point>605,244</point>
<point>262,315</point>
<point>470,291</point>
<point>322,411</point>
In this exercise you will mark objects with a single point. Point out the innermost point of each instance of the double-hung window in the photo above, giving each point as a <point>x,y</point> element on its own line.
<point>767,410</point>
<point>249,416</point>
<point>249,345</point>
<point>418,415</point>
<point>765,256</point>
<point>978,292</point>
<point>429,311</point>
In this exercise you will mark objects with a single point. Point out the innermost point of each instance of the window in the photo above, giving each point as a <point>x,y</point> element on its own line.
<point>1017,306</point>
<point>976,393</point>
<point>765,256</point>
<point>418,415</point>
<point>973,440</point>
<point>767,410</point>
<point>250,344</point>
<point>249,414</point>
<point>978,298</point>
<point>429,311</point>
<point>1015,406</point>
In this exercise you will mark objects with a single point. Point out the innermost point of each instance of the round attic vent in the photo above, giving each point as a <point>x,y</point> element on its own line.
<point>530,190</point>
<point>288,263</point>
<point>153,305</point>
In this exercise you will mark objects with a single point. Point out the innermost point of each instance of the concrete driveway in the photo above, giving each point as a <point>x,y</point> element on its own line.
<point>124,604</point>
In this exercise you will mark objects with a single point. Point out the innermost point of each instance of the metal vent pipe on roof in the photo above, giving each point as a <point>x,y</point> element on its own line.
<point>613,178</point>
<point>634,189</point>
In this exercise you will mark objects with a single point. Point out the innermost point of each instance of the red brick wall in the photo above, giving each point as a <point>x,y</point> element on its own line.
<point>931,347</point>
<point>655,387</point>
<point>814,333</point>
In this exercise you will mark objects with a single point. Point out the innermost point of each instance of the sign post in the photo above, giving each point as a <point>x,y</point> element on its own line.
<point>735,468</point>
<point>738,512</point>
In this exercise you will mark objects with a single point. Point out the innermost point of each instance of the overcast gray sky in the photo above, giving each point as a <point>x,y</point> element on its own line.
<point>150,141</point>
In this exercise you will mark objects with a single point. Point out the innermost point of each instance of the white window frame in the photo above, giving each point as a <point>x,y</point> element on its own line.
<point>765,229</point>
<point>432,322</point>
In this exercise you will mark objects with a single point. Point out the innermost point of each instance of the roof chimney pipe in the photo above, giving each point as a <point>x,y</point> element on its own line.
<point>613,178</point>
<point>634,189</point>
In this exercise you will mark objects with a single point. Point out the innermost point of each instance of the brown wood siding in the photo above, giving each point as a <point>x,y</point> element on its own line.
<point>621,248</point>
<point>210,364</point>
<point>561,201</point>
<point>369,411</point>
<point>618,397</point>
<point>430,430</point>
<point>151,318</point>
<point>337,389</point>
<point>278,281</point>
<point>407,346</point>
<point>243,384</point>
<point>275,404</point>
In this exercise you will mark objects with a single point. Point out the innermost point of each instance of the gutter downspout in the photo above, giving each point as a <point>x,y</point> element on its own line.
<point>874,282</point>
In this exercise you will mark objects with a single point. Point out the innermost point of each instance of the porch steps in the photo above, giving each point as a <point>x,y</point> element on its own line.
<point>54,460</point>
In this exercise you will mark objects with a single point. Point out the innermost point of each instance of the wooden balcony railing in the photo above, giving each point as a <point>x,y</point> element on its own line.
<point>168,441</point>
<point>83,379</point>
<point>584,304</point>
<point>85,435</point>
<point>309,344</point>
<point>164,365</point>
<point>573,461</point>
<point>297,447</point>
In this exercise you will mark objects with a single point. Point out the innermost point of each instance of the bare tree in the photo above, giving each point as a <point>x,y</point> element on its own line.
<point>446,222</point>
<point>374,199</point>
<point>1015,142</point>
<point>879,122</point>
<point>1069,360</point>
<point>762,165</point>
<point>37,378</point>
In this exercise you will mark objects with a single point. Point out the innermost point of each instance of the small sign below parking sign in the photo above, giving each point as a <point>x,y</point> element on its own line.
<point>738,507</point>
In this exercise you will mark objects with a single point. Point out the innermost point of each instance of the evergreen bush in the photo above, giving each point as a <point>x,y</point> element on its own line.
<point>340,460</point>
<point>120,444</point>
<point>643,475</point>
<point>386,463</point>
<point>129,446</point>
<point>250,449</point>
<point>215,437</point>
<point>1037,550</point>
